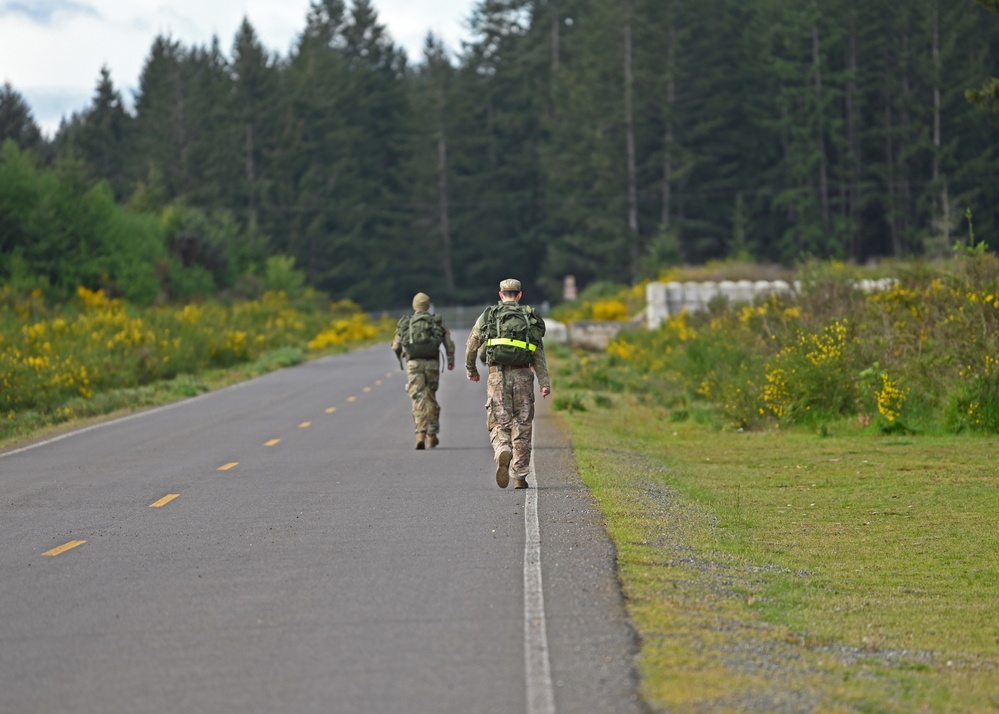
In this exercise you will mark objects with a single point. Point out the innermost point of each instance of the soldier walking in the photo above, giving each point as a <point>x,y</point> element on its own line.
<point>512,336</point>
<point>418,337</point>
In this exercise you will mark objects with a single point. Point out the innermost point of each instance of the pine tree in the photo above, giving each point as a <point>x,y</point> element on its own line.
<point>17,122</point>
<point>100,137</point>
<point>254,107</point>
<point>429,169</point>
<point>163,118</point>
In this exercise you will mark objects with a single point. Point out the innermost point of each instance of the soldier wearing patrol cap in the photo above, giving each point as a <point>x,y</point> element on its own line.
<point>512,336</point>
<point>419,337</point>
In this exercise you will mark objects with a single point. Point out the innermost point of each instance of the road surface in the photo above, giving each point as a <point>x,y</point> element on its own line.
<point>279,546</point>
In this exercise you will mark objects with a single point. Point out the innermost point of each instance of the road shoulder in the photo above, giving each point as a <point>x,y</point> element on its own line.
<point>592,643</point>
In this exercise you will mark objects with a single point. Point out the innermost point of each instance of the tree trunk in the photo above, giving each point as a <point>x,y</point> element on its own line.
<point>667,196</point>
<point>820,131</point>
<point>853,142</point>
<point>555,36</point>
<point>250,174</point>
<point>893,222</point>
<point>629,123</point>
<point>444,211</point>
<point>906,215</point>
<point>943,207</point>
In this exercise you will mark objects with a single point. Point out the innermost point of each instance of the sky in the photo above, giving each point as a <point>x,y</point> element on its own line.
<point>52,51</point>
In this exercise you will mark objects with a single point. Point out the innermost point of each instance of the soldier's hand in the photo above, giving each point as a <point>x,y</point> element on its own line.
<point>545,391</point>
<point>473,377</point>
<point>450,365</point>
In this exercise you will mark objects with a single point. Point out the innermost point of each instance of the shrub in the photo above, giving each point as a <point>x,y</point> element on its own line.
<point>50,356</point>
<point>918,354</point>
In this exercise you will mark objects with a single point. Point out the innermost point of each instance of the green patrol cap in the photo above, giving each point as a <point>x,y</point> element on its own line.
<point>510,285</point>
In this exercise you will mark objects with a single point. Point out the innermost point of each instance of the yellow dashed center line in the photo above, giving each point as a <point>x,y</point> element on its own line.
<point>331,410</point>
<point>228,466</point>
<point>378,382</point>
<point>63,548</point>
<point>367,389</point>
<point>351,399</point>
<point>272,442</point>
<point>305,425</point>
<point>164,501</point>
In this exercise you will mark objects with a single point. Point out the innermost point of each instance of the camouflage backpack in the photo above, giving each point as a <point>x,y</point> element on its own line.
<point>513,333</point>
<point>422,335</point>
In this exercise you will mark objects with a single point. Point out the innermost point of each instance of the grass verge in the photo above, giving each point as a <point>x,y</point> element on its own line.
<point>787,571</point>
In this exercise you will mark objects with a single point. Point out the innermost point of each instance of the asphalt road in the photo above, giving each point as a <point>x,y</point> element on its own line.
<point>279,546</point>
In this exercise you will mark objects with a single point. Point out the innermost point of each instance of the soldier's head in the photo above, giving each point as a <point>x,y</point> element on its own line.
<point>510,290</point>
<point>421,302</point>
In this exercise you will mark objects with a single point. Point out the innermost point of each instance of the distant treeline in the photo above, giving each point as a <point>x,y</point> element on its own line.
<point>607,139</point>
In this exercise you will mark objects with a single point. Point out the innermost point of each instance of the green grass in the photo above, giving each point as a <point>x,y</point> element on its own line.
<point>792,571</point>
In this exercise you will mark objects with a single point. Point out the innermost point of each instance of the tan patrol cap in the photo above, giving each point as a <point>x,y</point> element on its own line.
<point>421,302</point>
<point>510,285</point>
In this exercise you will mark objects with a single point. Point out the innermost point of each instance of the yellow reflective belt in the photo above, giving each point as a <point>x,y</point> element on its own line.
<point>513,343</point>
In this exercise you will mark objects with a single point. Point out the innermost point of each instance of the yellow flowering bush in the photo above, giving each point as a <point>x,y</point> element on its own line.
<point>603,301</point>
<point>890,399</point>
<point>836,350</point>
<point>974,404</point>
<point>610,310</point>
<point>49,355</point>
<point>343,331</point>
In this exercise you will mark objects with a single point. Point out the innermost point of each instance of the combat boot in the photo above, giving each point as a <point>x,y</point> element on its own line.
<point>520,483</point>
<point>503,469</point>
<point>421,441</point>
<point>432,441</point>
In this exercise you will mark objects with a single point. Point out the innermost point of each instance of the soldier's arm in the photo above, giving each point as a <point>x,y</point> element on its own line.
<point>541,370</point>
<point>475,340</point>
<point>397,344</point>
<point>448,346</point>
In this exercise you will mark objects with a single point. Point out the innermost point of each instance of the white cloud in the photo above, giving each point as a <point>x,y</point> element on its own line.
<point>52,49</point>
<point>43,11</point>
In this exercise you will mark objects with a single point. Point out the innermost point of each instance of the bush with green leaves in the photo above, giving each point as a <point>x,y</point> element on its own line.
<point>917,355</point>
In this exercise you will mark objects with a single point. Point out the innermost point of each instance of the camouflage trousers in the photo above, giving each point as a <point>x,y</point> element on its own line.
<point>510,416</point>
<point>423,378</point>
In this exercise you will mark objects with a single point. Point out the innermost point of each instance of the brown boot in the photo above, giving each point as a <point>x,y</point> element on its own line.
<point>520,483</point>
<point>503,469</point>
<point>421,442</point>
<point>432,441</point>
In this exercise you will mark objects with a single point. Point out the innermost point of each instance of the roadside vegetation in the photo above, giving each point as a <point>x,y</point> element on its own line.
<point>95,355</point>
<point>802,492</point>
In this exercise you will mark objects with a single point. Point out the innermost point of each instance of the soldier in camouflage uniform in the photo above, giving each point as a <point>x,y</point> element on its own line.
<point>423,378</point>
<point>509,399</point>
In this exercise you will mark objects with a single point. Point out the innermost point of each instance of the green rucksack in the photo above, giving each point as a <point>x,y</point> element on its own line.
<point>422,335</point>
<point>513,333</point>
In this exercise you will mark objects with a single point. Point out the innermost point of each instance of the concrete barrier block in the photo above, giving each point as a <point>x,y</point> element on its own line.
<point>692,296</point>
<point>556,331</point>
<point>743,291</point>
<point>727,289</point>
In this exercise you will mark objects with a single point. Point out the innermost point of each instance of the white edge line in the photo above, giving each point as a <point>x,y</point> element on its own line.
<point>128,417</point>
<point>540,692</point>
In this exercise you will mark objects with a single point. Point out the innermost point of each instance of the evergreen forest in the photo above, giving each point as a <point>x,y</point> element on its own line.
<point>605,139</point>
